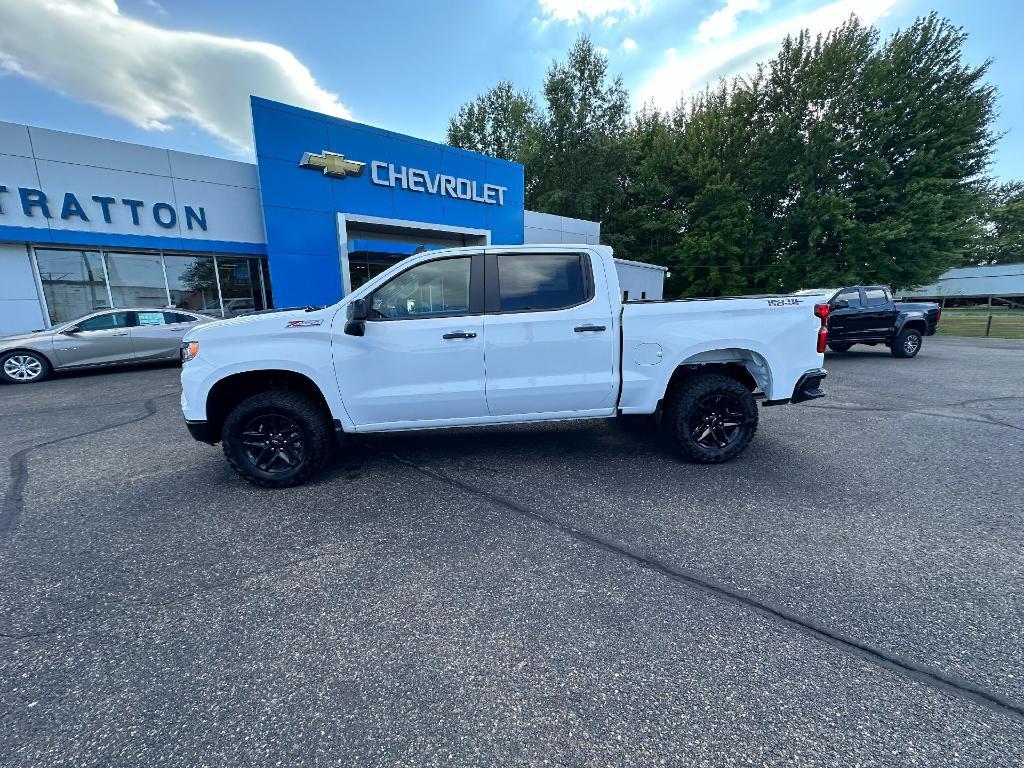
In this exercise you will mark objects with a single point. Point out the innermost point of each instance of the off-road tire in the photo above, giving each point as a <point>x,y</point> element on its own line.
<point>39,363</point>
<point>688,405</point>
<point>907,344</point>
<point>839,346</point>
<point>300,410</point>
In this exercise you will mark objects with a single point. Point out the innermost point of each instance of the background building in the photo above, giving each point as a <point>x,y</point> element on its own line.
<point>995,284</point>
<point>87,223</point>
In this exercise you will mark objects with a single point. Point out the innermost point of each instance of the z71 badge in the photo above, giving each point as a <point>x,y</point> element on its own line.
<point>782,302</point>
<point>303,323</point>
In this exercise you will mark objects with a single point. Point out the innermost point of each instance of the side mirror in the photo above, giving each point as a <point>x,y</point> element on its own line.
<point>840,304</point>
<point>358,311</point>
<point>71,331</point>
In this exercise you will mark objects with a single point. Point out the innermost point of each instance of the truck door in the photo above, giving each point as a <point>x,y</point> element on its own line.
<point>421,358</point>
<point>879,314</point>
<point>844,322</point>
<point>550,340</point>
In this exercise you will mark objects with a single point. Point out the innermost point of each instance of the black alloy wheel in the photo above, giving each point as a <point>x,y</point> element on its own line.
<point>278,438</point>
<point>711,418</point>
<point>273,443</point>
<point>716,421</point>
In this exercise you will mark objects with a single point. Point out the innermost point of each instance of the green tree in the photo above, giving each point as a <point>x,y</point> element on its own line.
<point>1002,226</point>
<point>843,159</point>
<point>580,154</point>
<point>502,122</point>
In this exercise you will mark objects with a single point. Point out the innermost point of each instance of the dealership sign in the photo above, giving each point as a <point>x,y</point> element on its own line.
<point>36,202</point>
<point>414,179</point>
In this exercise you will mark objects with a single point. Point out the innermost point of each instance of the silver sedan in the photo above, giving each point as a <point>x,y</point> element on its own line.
<point>107,337</point>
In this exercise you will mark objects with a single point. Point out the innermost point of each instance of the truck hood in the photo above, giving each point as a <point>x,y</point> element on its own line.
<point>263,323</point>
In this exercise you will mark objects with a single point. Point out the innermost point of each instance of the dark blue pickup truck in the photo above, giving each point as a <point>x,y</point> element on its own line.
<point>867,314</point>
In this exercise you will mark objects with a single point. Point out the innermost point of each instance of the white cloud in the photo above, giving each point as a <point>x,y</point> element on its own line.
<point>684,75</point>
<point>156,7</point>
<point>629,45</point>
<point>575,11</point>
<point>722,22</point>
<point>149,75</point>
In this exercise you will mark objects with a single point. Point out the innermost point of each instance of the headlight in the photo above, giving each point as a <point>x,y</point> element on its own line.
<point>189,349</point>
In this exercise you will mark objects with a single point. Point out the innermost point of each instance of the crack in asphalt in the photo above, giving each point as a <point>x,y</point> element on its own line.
<point>956,686</point>
<point>82,406</point>
<point>14,502</point>
<point>981,418</point>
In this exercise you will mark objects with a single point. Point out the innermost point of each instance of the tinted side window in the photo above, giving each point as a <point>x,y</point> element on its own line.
<point>104,322</point>
<point>431,289</point>
<point>852,296</point>
<point>549,281</point>
<point>178,317</point>
<point>875,296</point>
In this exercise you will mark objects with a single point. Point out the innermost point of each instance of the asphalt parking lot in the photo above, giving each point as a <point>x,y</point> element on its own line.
<point>849,592</point>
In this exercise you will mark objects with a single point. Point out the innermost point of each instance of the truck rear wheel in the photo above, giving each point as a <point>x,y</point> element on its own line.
<point>712,418</point>
<point>839,346</point>
<point>907,344</point>
<point>277,439</point>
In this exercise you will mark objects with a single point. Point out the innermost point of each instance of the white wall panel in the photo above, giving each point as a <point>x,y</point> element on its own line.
<point>20,310</point>
<point>102,153</point>
<point>200,168</point>
<point>232,213</point>
<point>14,140</point>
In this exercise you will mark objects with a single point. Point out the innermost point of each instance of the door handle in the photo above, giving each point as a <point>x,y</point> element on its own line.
<point>589,328</point>
<point>459,335</point>
<point>120,334</point>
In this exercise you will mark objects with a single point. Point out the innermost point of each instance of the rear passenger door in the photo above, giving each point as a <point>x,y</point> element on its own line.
<point>549,335</point>
<point>156,334</point>
<point>879,315</point>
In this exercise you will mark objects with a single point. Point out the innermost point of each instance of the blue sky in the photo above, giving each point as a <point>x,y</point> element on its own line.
<point>177,73</point>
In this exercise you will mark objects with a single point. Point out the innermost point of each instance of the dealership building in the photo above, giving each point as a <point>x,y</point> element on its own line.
<point>88,223</point>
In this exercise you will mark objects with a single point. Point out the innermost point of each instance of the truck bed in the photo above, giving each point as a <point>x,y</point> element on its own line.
<point>658,336</point>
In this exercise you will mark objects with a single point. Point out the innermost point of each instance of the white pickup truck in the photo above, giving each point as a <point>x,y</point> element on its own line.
<point>472,336</point>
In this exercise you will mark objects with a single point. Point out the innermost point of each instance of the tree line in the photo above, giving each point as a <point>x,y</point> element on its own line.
<point>845,158</point>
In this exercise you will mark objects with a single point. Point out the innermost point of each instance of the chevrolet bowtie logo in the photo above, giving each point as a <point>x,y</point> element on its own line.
<point>332,164</point>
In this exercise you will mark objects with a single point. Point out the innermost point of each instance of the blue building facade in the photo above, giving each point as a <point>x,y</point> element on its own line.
<point>88,223</point>
<point>342,201</point>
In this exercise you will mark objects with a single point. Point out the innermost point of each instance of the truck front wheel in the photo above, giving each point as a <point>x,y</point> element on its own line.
<point>277,439</point>
<point>712,418</point>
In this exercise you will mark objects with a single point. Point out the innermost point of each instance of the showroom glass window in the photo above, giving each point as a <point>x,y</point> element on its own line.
<point>136,280</point>
<point>192,283</point>
<point>240,285</point>
<point>432,289</point>
<point>76,282</point>
<point>533,282</point>
<point>73,283</point>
